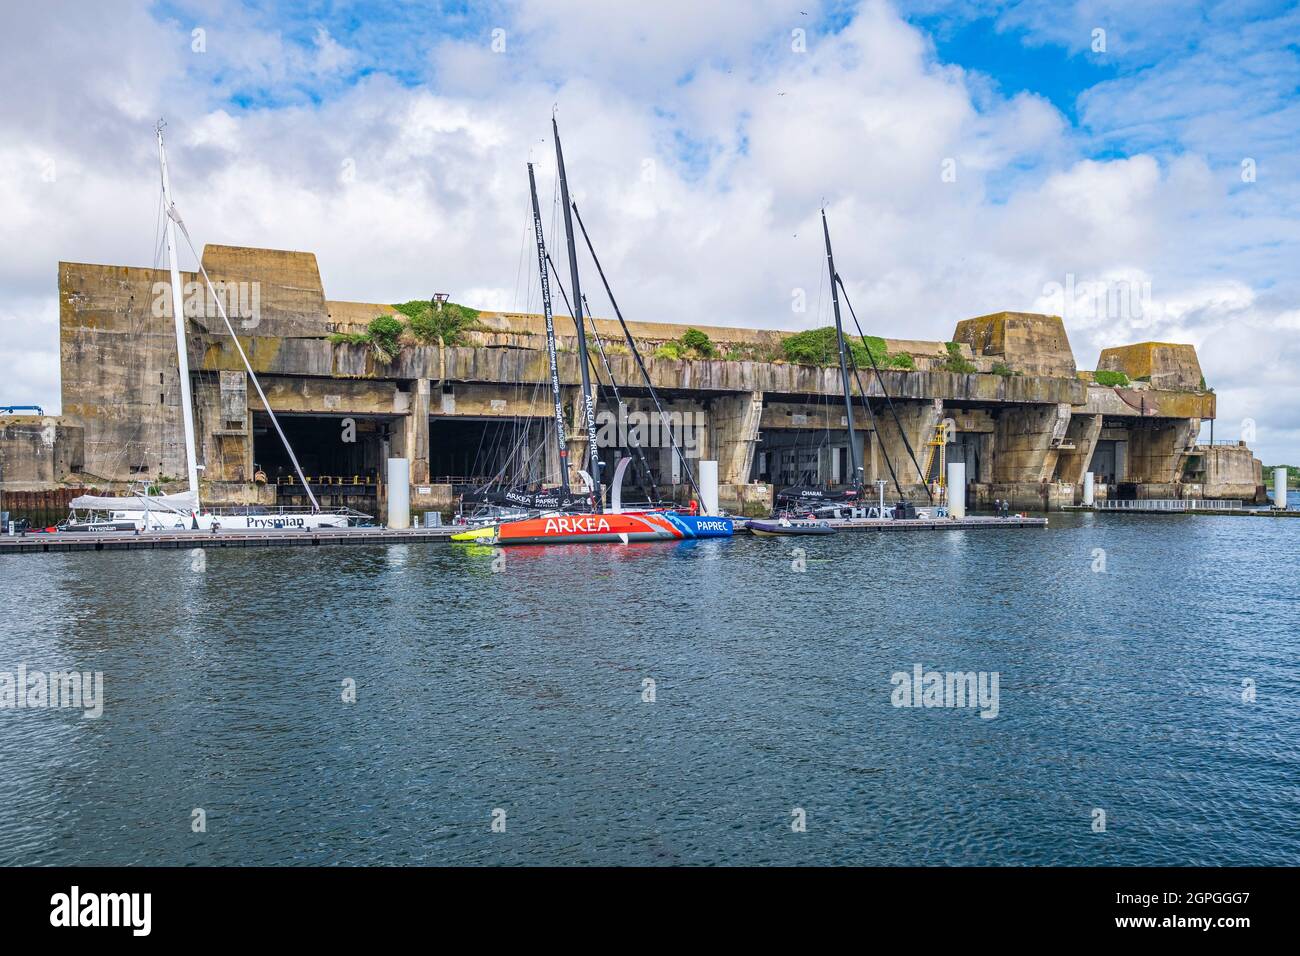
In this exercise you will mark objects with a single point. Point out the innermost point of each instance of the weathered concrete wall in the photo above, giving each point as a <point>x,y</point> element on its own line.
<point>37,452</point>
<point>283,288</point>
<point>415,432</point>
<point>223,427</point>
<point>1025,342</point>
<point>1027,441</point>
<point>918,423</point>
<point>746,499</point>
<point>333,396</point>
<point>734,424</point>
<point>805,416</point>
<point>510,366</point>
<point>1227,471</point>
<point>1157,449</point>
<point>120,383</point>
<point>1163,364</point>
<point>1072,463</point>
<point>1142,401</point>
<point>120,380</point>
<point>1026,495</point>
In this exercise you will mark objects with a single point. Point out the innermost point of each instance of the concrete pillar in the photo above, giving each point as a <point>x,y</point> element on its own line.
<point>918,421</point>
<point>1279,488</point>
<point>708,479</point>
<point>417,432</point>
<point>1158,447</point>
<point>1088,490</point>
<point>1083,433</point>
<point>733,425</point>
<point>1024,437</point>
<point>957,489</point>
<point>399,493</point>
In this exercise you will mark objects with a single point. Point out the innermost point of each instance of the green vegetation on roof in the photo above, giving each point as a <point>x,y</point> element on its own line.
<point>956,362</point>
<point>425,323</point>
<point>1110,379</point>
<point>693,344</point>
<point>430,324</point>
<point>383,334</point>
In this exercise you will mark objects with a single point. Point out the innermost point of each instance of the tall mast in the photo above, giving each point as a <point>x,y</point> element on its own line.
<point>636,354</point>
<point>178,314</point>
<point>613,384</point>
<point>855,480</point>
<point>173,220</point>
<point>588,402</point>
<point>560,438</point>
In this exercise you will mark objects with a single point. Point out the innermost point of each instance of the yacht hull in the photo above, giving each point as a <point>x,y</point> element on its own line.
<point>610,528</point>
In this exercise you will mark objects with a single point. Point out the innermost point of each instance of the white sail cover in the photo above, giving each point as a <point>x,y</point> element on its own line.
<point>186,502</point>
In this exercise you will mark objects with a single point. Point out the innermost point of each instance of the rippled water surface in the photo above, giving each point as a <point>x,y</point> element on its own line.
<point>1119,690</point>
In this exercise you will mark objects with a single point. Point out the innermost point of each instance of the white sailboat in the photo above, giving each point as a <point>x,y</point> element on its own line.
<point>184,511</point>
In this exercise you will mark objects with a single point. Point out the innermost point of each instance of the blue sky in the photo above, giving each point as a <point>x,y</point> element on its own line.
<point>702,138</point>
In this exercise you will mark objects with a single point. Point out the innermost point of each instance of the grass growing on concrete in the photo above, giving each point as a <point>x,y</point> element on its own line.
<point>429,324</point>
<point>693,344</point>
<point>1110,379</point>
<point>821,347</point>
<point>901,360</point>
<point>383,335</point>
<point>956,362</point>
<point>426,324</point>
<point>753,352</point>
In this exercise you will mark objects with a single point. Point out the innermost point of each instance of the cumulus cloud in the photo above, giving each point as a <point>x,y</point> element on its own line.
<point>700,142</point>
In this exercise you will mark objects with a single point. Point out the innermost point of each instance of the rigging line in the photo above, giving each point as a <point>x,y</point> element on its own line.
<point>875,426</point>
<point>519,270</point>
<point>601,385</point>
<point>498,440</point>
<point>123,449</point>
<point>221,308</point>
<point>888,401</point>
<point>636,354</point>
<point>595,333</point>
<point>478,455</point>
<point>569,305</point>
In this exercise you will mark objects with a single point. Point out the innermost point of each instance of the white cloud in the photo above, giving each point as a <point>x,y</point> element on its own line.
<point>699,147</point>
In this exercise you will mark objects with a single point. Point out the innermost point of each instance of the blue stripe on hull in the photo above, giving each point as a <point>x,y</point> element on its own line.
<point>702,526</point>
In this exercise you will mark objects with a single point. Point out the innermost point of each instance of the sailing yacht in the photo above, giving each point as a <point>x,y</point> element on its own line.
<point>594,523</point>
<point>184,511</point>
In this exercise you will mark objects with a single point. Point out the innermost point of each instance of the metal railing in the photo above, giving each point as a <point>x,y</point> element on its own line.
<point>1168,504</point>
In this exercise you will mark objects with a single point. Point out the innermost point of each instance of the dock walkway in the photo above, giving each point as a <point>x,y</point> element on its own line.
<point>127,541</point>
<point>42,543</point>
<point>934,524</point>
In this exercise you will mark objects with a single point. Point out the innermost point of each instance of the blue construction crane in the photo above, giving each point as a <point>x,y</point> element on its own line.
<point>15,409</point>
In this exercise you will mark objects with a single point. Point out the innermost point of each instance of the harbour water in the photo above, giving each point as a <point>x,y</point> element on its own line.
<point>1146,668</point>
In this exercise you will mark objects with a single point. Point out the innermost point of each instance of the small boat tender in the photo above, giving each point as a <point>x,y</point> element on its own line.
<point>783,527</point>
